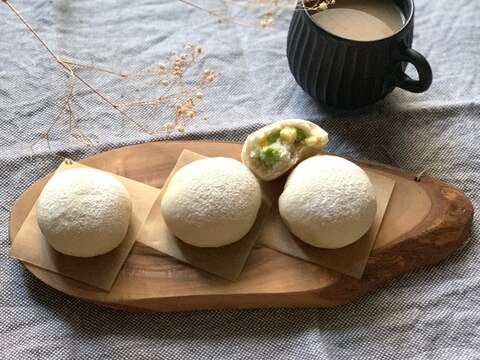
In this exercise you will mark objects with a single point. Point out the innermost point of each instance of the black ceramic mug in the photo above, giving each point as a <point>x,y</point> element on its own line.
<point>349,73</point>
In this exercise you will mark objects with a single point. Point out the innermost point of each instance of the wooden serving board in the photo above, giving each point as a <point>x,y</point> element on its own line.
<point>425,222</point>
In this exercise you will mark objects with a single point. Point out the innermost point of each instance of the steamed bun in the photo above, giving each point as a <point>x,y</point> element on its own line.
<point>211,202</point>
<point>328,202</point>
<point>84,212</point>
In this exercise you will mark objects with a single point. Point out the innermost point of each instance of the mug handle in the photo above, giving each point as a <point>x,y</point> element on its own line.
<point>402,80</point>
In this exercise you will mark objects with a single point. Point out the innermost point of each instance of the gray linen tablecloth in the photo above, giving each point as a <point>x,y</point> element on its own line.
<point>432,313</point>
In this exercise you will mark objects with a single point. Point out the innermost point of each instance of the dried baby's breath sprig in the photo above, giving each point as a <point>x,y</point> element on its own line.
<point>262,12</point>
<point>267,21</point>
<point>318,5</point>
<point>255,13</point>
<point>182,100</point>
<point>168,75</point>
<point>218,14</point>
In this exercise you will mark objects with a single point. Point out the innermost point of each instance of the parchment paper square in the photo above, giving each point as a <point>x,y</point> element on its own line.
<point>225,261</point>
<point>100,271</point>
<point>350,260</point>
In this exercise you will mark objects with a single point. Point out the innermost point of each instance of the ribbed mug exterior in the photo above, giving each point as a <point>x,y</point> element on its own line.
<point>346,73</point>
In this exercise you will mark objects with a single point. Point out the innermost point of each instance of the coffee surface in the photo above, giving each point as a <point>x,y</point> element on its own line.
<point>363,20</point>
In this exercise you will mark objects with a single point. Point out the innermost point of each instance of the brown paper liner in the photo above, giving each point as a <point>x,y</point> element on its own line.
<point>225,261</point>
<point>350,260</point>
<point>100,271</point>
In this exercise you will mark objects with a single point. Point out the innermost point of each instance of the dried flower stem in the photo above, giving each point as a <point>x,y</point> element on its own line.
<point>154,101</point>
<point>71,63</point>
<point>216,14</point>
<point>60,61</point>
<point>264,10</point>
<point>73,74</point>
<point>178,69</point>
<point>65,107</point>
<point>318,5</point>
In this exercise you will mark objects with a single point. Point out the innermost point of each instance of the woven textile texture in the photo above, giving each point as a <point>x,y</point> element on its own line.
<point>432,313</point>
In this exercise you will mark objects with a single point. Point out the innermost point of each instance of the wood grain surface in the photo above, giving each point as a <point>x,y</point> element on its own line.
<point>425,222</point>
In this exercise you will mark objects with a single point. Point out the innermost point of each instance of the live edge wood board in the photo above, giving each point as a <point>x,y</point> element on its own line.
<point>425,222</point>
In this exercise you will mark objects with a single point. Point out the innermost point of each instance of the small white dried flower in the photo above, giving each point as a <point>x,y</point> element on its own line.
<point>162,66</point>
<point>169,126</point>
<point>207,72</point>
<point>199,95</point>
<point>181,128</point>
<point>165,82</point>
<point>323,6</point>
<point>190,114</point>
<point>267,22</point>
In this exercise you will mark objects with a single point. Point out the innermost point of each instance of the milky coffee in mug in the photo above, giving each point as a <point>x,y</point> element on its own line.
<point>363,20</point>
<point>355,52</point>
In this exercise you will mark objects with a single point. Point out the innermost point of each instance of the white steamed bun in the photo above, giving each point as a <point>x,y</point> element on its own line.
<point>211,202</point>
<point>84,212</point>
<point>328,202</point>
